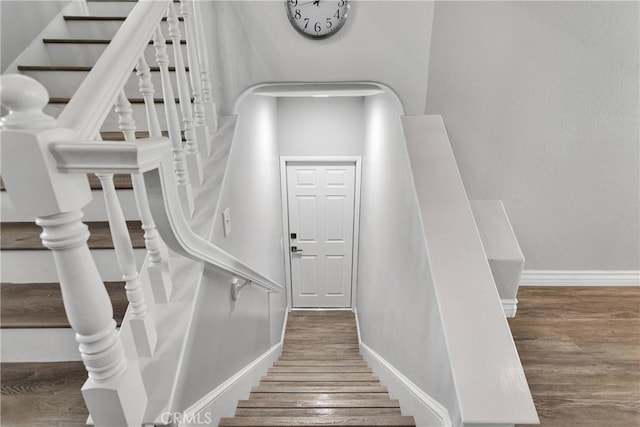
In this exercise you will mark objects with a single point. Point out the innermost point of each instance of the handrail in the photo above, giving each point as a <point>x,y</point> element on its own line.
<point>97,94</point>
<point>152,158</point>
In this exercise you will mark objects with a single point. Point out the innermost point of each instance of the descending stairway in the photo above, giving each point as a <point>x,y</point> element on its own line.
<point>320,379</point>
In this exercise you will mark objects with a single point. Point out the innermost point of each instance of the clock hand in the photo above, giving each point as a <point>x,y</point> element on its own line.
<point>317,3</point>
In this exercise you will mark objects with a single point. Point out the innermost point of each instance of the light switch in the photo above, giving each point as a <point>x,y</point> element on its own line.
<point>226,222</point>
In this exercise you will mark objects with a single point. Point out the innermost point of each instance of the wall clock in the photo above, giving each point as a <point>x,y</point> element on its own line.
<point>317,19</point>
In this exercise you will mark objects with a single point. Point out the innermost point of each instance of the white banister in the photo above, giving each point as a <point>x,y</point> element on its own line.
<point>194,162</point>
<point>114,392</point>
<point>97,94</point>
<point>202,130</point>
<point>207,96</point>
<point>151,158</point>
<point>173,123</point>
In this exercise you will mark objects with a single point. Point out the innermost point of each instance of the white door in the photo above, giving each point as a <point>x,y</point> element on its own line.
<point>321,217</point>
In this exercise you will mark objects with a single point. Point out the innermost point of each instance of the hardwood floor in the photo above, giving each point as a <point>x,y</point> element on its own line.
<point>580,348</point>
<point>43,394</point>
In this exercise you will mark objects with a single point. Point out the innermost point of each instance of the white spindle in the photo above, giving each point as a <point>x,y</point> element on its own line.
<point>202,130</point>
<point>147,90</point>
<point>207,95</point>
<point>114,392</point>
<point>142,326</point>
<point>173,123</point>
<point>194,162</point>
<point>158,267</point>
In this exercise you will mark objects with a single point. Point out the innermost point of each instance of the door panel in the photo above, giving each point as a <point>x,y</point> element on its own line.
<point>321,208</point>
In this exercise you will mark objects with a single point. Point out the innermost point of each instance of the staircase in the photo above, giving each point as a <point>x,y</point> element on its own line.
<point>320,379</point>
<point>44,390</point>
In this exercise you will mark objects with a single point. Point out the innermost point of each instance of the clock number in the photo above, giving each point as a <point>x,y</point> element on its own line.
<point>306,23</point>
<point>337,14</point>
<point>341,3</point>
<point>293,3</point>
<point>297,15</point>
<point>317,27</point>
<point>329,23</point>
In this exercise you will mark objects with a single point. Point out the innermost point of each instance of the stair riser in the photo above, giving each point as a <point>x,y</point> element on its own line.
<point>111,121</point>
<point>110,8</point>
<point>63,84</point>
<point>38,266</point>
<point>94,211</point>
<point>105,29</point>
<point>38,345</point>
<point>88,54</point>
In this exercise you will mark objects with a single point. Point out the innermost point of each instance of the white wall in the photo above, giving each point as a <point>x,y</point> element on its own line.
<point>320,126</point>
<point>21,21</point>
<point>540,100</point>
<point>383,41</point>
<point>393,266</point>
<point>226,336</point>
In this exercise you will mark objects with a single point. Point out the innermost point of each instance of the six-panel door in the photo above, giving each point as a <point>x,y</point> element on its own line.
<point>321,209</point>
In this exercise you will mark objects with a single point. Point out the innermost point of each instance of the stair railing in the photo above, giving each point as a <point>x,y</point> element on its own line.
<point>44,162</point>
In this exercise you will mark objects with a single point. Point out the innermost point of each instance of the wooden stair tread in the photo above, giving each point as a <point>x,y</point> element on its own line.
<point>319,369</point>
<point>26,235</point>
<point>103,18</point>
<point>44,394</point>
<point>39,305</point>
<point>377,420</point>
<point>65,100</point>
<point>91,41</point>
<point>76,68</point>
<point>306,412</point>
<point>121,181</point>
<point>312,402</point>
<point>311,388</point>
<point>319,379</point>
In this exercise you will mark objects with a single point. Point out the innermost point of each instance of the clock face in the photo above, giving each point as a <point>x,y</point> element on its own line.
<point>317,19</point>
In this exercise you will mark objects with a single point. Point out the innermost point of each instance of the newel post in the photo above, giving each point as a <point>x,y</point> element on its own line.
<point>114,392</point>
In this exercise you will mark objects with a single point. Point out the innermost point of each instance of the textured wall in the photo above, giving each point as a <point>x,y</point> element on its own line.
<point>21,21</point>
<point>384,41</point>
<point>320,126</point>
<point>396,301</point>
<point>227,335</point>
<point>540,100</point>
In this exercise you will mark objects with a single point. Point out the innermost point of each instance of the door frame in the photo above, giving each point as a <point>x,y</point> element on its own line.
<point>286,244</point>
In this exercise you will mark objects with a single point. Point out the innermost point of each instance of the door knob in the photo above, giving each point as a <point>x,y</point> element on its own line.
<point>294,249</point>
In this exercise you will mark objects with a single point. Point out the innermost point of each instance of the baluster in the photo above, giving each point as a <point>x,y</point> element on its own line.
<point>173,123</point>
<point>202,130</point>
<point>194,162</point>
<point>114,392</point>
<point>158,267</point>
<point>147,90</point>
<point>142,325</point>
<point>207,95</point>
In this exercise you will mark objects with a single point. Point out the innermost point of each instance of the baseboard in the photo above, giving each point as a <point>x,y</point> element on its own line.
<point>510,307</point>
<point>223,400</point>
<point>426,411</point>
<point>580,278</point>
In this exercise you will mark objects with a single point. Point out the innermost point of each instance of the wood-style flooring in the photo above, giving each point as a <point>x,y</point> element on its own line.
<point>580,349</point>
<point>320,379</point>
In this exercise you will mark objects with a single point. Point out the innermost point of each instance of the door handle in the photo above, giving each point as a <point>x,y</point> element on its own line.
<point>295,250</point>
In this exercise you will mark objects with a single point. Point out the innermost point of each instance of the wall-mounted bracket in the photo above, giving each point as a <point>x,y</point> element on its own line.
<point>236,287</point>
